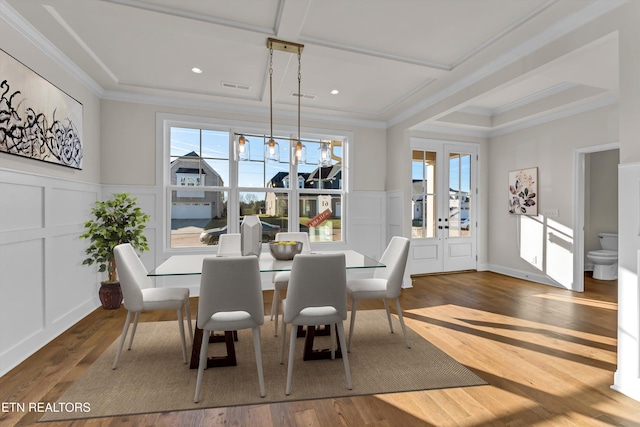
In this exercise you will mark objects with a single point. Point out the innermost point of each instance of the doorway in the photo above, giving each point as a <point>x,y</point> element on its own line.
<point>583,225</point>
<point>443,206</point>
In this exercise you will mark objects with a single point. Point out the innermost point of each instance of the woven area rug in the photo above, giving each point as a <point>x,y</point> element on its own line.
<point>152,378</point>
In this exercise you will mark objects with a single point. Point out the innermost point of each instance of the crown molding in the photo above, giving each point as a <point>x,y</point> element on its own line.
<point>525,124</point>
<point>583,108</point>
<point>18,23</point>
<point>174,102</point>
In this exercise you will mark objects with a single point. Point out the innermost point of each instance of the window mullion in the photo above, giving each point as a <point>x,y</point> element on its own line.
<point>233,204</point>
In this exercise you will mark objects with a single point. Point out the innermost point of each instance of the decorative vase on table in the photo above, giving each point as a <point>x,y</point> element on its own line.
<point>251,236</point>
<point>110,295</point>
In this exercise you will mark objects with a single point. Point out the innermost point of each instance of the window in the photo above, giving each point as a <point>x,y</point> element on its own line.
<point>210,190</point>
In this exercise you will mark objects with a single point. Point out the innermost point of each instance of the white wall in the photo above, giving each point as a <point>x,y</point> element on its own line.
<point>541,248</point>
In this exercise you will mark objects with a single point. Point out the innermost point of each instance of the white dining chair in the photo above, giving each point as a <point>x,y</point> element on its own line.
<point>139,295</point>
<point>385,284</point>
<point>281,278</point>
<point>230,299</point>
<point>229,244</point>
<point>317,295</point>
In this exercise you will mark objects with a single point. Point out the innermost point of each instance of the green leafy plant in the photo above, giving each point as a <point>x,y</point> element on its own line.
<point>118,220</point>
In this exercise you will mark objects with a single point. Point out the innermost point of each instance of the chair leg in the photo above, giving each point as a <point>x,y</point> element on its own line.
<point>133,330</point>
<point>273,302</point>
<point>256,346</point>
<point>181,327</point>
<point>386,307</point>
<point>332,333</point>
<point>345,357</point>
<point>187,310</point>
<point>123,336</point>
<point>354,303</point>
<point>283,334</point>
<point>292,351</point>
<point>202,364</point>
<point>275,309</point>
<point>404,329</point>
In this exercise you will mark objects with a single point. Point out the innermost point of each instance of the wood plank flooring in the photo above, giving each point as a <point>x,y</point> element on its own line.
<point>548,354</point>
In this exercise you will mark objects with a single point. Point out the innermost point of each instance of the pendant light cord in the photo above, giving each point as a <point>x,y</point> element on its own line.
<point>299,93</point>
<point>271,92</point>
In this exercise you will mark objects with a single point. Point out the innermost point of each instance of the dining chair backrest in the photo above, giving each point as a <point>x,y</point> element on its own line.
<point>395,259</point>
<point>298,236</point>
<point>230,284</point>
<point>132,275</point>
<point>229,244</point>
<point>317,280</point>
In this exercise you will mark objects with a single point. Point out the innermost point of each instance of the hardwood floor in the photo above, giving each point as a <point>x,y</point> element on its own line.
<point>548,354</point>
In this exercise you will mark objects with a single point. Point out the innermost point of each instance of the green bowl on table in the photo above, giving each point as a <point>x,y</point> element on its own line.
<point>285,250</point>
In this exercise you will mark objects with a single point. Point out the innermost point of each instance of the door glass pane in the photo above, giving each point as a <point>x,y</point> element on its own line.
<point>423,197</point>
<point>459,194</point>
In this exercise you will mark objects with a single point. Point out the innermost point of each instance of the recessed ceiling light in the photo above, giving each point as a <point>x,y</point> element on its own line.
<point>196,70</point>
<point>334,91</point>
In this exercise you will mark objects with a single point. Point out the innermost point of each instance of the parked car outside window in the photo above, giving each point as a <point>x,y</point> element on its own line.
<point>211,236</point>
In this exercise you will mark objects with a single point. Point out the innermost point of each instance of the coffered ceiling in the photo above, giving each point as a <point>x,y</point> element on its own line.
<point>387,58</point>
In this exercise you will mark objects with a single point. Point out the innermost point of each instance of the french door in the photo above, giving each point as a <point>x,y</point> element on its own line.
<point>443,214</point>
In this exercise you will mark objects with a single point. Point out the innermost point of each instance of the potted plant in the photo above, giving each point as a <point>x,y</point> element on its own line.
<point>118,220</point>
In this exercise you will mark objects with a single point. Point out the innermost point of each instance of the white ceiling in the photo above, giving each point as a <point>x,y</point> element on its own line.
<point>388,58</point>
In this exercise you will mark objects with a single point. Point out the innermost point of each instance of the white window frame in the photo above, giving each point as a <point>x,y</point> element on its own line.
<point>165,121</point>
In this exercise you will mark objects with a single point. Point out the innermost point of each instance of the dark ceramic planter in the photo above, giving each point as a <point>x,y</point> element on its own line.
<point>110,295</point>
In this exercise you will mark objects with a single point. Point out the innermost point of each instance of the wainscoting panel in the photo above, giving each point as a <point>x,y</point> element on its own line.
<point>21,292</point>
<point>395,215</point>
<point>31,213</point>
<point>69,283</point>
<point>68,206</point>
<point>367,219</point>
<point>44,288</point>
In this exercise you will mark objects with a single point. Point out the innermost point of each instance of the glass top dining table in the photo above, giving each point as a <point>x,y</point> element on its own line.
<point>185,265</point>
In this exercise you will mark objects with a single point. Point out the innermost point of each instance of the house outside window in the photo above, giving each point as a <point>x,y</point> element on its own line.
<point>210,191</point>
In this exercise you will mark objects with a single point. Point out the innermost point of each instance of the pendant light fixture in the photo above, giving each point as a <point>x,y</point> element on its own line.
<point>242,148</point>
<point>324,154</point>
<point>299,149</point>
<point>271,148</point>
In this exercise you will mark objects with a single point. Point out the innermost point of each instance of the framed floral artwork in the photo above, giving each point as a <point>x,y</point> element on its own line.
<point>523,191</point>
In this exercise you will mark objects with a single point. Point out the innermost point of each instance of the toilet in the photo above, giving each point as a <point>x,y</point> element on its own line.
<point>605,260</point>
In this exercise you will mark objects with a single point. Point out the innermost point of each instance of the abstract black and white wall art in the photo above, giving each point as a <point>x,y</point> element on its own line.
<point>523,191</point>
<point>37,120</point>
